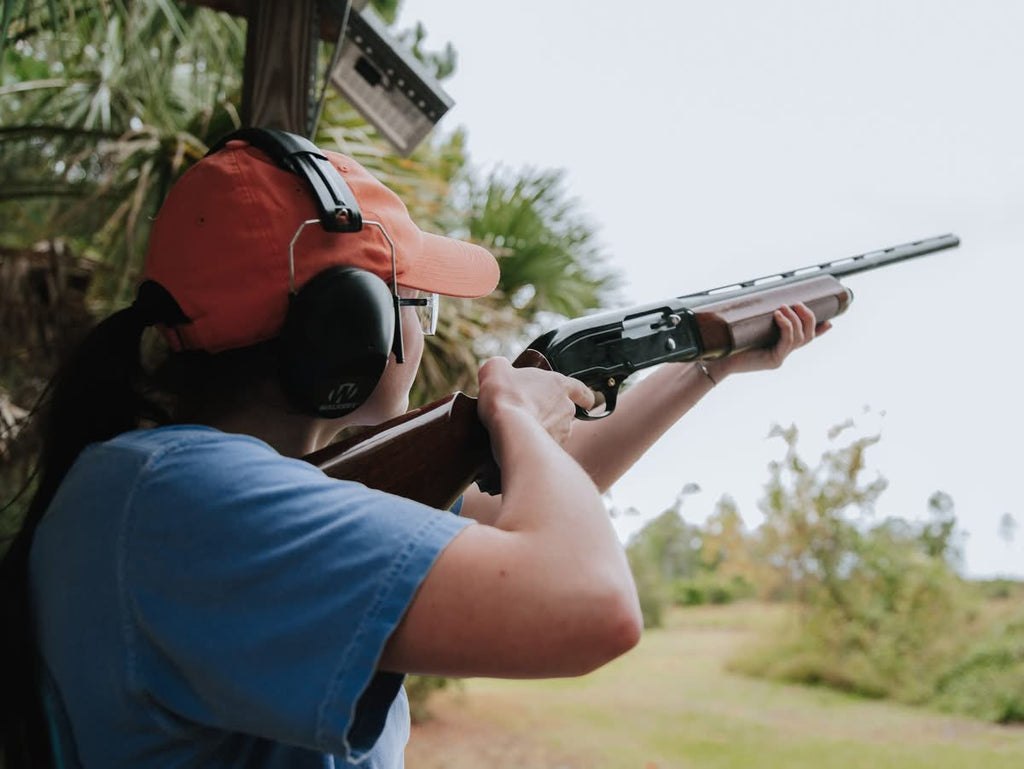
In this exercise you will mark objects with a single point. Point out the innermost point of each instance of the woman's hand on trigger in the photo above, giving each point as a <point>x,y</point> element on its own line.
<point>797,327</point>
<point>547,397</point>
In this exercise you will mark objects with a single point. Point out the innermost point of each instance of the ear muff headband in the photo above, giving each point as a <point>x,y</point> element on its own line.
<point>335,202</point>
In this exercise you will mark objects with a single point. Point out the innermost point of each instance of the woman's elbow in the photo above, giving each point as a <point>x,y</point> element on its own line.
<point>615,628</point>
<point>626,623</point>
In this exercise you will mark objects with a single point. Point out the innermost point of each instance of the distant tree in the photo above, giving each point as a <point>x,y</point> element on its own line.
<point>1008,526</point>
<point>877,599</point>
<point>806,535</point>
<point>939,536</point>
<point>670,543</point>
<point>665,549</point>
<point>725,542</point>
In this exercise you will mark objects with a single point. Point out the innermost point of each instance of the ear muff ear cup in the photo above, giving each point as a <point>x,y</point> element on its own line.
<point>336,341</point>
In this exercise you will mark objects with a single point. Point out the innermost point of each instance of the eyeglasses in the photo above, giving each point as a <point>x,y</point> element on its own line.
<point>426,305</point>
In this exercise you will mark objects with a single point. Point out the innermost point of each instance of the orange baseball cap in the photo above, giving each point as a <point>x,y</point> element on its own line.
<point>219,245</point>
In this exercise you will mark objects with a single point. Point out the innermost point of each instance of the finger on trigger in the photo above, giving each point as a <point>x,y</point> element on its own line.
<point>580,394</point>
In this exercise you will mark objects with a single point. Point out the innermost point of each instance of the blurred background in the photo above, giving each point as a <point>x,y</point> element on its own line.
<point>828,555</point>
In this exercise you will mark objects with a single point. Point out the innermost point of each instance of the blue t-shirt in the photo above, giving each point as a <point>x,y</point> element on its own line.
<point>202,601</point>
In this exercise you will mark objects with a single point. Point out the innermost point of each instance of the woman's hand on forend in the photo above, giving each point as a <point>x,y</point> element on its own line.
<point>797,327</point>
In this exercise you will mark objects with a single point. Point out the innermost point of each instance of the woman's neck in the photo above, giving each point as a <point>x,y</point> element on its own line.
<point>265,414</point>
<point>291,435</point>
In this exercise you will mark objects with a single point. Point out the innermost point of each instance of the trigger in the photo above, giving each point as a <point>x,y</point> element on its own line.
<point>604,404</point>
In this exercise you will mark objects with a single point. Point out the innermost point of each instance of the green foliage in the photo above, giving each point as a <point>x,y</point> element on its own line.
<point>100,121</point>
<point>882,611</point>
<point>806,535</point>
<point>988,680</point>
<point>682,564</point>
<point>998,589</point>
<point>441,64</point>
<point>664,550</point>
<point>711,588</point>
<point>650,588</point>
<point>669,543</point>
<point>549,260</point>
<point>418,689</point>
<point>388,9</point>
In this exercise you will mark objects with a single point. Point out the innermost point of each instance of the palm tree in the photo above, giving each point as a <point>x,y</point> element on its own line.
<point>99,113</point>
<point>103,107</point>
<point>92,140</point>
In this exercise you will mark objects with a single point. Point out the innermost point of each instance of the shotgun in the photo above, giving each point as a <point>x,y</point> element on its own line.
<point>601,350</point>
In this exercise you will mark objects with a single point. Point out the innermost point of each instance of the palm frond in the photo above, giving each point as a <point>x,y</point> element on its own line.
<point>549,259</point>
<point>137,100</point>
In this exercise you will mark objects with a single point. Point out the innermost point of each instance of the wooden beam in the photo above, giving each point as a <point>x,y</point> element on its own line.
<point>329,21</point>
<point>280,64</point>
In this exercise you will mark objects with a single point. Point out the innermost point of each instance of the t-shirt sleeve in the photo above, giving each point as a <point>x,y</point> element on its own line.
<point>260,593</point>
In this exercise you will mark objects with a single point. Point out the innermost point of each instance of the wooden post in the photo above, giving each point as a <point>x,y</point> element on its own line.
<point>280,65</point>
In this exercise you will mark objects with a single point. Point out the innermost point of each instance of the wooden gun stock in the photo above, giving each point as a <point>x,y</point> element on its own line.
<point>431,455</point>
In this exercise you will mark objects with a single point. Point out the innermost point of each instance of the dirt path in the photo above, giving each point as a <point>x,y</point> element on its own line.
<point>461,736</point>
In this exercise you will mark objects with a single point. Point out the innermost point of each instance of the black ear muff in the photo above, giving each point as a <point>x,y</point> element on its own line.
<point>336,341</point>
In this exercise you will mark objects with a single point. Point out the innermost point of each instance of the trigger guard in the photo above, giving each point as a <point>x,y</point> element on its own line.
<point>611,395</point>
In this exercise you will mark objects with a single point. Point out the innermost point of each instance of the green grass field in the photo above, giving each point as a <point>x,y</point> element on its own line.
<point>671,703</point>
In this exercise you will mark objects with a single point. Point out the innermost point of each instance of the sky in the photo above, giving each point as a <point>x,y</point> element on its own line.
<point>712,142</point>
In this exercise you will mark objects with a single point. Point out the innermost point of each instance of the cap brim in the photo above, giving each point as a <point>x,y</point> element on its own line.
<point>451,267</point>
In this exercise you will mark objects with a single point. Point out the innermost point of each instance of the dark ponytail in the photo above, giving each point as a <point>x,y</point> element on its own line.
<point>99,392</point>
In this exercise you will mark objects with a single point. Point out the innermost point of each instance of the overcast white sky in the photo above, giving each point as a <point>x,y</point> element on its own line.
<point>711,142</point>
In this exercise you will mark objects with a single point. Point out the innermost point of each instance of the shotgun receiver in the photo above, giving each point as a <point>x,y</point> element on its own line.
<point>600,350</point>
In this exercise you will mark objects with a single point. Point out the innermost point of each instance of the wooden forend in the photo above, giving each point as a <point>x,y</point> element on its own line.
<point>744,322</point>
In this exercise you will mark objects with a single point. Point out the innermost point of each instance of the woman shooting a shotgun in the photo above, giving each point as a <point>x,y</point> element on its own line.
<point>186,591</point>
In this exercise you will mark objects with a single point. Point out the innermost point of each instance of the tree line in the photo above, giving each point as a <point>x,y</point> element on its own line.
<point>879,606</point>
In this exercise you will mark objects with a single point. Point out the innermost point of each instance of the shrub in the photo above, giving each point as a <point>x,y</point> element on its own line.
<point>988,681</point>
<point>710,588</point>
<point>419,688</point>
<point>650,589</point>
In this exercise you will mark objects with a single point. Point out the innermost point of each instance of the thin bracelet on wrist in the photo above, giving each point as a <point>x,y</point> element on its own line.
<point>702,367</point>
